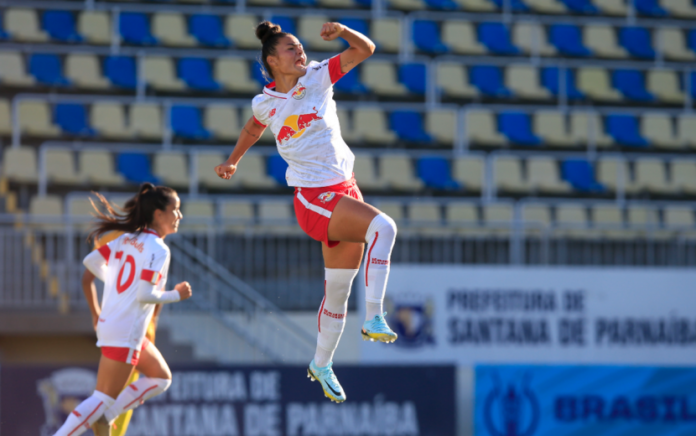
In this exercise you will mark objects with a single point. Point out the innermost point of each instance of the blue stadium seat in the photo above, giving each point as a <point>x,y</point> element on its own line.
<point>581,6</point>
<point>121,71</point>
<point>350,83</point>
<point>517,127</point>
<point>515,5</point>
<point>208,30</point>
<point>691,39</point>
<point>286,24</point>
<point>444,5</point>
<point>186,122</point>
<point>624,130</point>
<point>636,40</point>
<point>496,38</point>
<point>436,173</point>
<point>257,74</point>
<point>568,40</point>
<point>364,3</point>
<point>300,3</point>
<point>550,79</point>
<point>489,81</point>
<point>357,24</point>
<point>413,77</point>
<point>135,167</point>
<point>426,37</point>
<point>3,32</point>
<point>580,174</point>
<point>47,69</point>
<point>650,8</point>
<point>197,74</point>
<point>409,126</point>
<point>631,84</point>
<point>72,119</point>
<point>135,29</point>
<point>277,168</point>
<point>692,77</point>
<point>60,25</point>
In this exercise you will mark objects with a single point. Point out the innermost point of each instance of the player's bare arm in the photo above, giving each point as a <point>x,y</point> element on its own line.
<point>250,134</point>
<point>361,47</point>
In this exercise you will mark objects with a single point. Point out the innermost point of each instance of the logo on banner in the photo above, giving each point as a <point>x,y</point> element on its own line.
<point>412,319</point>
<point>61,393</point>
<point>511,410</point>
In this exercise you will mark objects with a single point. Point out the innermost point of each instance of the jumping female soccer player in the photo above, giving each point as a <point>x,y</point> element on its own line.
<point>300,110</point>
<point>133,268</point>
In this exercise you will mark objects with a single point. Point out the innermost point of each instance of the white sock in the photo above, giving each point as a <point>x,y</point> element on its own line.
<point>380,238</point>
<point>136,393</point>
<point>332,313</point>
<point>85,414</point>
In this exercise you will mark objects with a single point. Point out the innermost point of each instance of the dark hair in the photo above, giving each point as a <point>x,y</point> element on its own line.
<point>269,34</point>
<point>137,213</point>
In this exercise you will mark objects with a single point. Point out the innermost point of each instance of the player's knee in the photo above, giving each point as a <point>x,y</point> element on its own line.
<point>385,226</point>
<point>166,382</point>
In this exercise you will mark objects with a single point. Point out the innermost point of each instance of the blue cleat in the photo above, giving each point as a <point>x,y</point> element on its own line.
<point>376,329</point>
<point>329,383</point>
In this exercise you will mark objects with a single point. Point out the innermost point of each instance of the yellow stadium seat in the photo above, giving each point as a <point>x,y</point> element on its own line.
<point>342,4</point>
<point>536,218</point>
<point>612,7</point>
<point>60,167</point>
<point>19,165</point>
<point>395,210</point>
<point>657,128</point>
<point>603,41</point>
<point>673,43</point>
<point>463,219</point>
<point>665,85</point>
<point>386,33</point>
<point>12,70</point>
<point>23,25</point>
<point>499,218</point>
<point>684,176</point>
<point>551,126</point>
<point>234,75</point>
<point>544,176</point>
<point>679,216</point>
<point>686,128</point>
<point>461,37</point>
<point>453,79</point>
<point>98,168</point>
<point>481,129</point>
<point>650,176</point>
<point>160,74</point>
<point>207,161</point>
<point>170,29</point>
<point>365,174</point>
<point>36,120</point>
<point>265,2</point>
<point>398,172</point>
<point>608,219</point>
<point>442,125</point>
<point>424,214</point>
<point>595,83</point>
<point>5,117</point>
<point>251,173</point>
<point>584,126</point>
<point>84,71</point>
<point>47,211</point>
<point>610,171</point>
<point>240,29</point>
<point>680,8</point>
<point>407,5</point>
<point>348,133</point>
<point>531,38</point>
<point>222,121</point>
<point>237,215</point>
<point>109,119</point>
<point>571,220</point>
<point>198,214</point>
<point>146,120</point>
<point>508,176</point>
<point>276,216</point>
<point>469,171</point>
<point>547,6</point>
<point>477,5</point>
<point>95,26</point>
<point>380,77</point>
<point>172,168</point>
<point>642,220</point>
<point>523,81</point>
<point>371,125</point>
<point>309,28</point>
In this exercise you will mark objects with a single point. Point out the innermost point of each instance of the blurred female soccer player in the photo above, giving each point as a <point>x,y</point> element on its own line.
<point>301,112</point>
<point>134,270</point>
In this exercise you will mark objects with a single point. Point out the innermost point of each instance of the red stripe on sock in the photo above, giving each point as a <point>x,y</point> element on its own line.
<point>369,256</point>
<point>321,309</point>
<point>141,396</point>
<point>87,419</point>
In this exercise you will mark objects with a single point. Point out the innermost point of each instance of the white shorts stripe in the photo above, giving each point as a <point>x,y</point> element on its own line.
<point>130,355</point>
<point>312,207</point>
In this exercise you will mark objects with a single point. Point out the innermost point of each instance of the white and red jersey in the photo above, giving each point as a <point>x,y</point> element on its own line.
<point>305,124</point>
<point>130,258</point>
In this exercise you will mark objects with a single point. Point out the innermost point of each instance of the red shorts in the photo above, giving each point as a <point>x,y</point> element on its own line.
<point>313,207</point>
<point>124,354</point>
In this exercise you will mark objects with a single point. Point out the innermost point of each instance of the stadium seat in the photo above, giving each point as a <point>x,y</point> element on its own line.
<point>265,3</point>
<point>656,127</point>
<point>537,218</point>
<point>109,120</point>
<point>612,7</point>
<point>234,75</point>
<point>547,6</point>
<point>197,74</point>
<point>47,69</point>
<point>365,174</point>
<point>651,177</point>
<point>523,81</point>
<point>496,37</point>
<point>665,85</point>
<point>72,119</point>
<point>586,127</point>
<point>594,82</point>
<point>97,167</point>
<point>35,119</point>
<point>613,172</point>
<point>640,218</point>
<point>277,217</point>
<point>370,125</point>
<point>413,76</point>
<point>5,117</point>
<point>159,73</point>
<point>186,122</point>
<point>425,216</point>
<point>135,29</point>
<point>463,216</point>
<point>624,130</point>
<point>571,221</point>
<point>637,41</point>
<point>426,37</point>
<point>460,37</point>
<point>499,218</point>
<point>650,8</point>
<point>171,168</point>
<point>568,40</point>
<point>83,71</point>
<point>452,78</point>
<point>581,6</point>
<point>60,25</point>
<point>19,164</point>
<point>441,124</point>
<point>208,30</point>
<point>238,28</point>
<point>477,5</point>
<point>673,44</point>
<point>277,169</point>
<point>516,126</point>
<point>350,83</point>
<point>631,83</point>
<point>686,128</point>
<point>60,166</point>
<point>95,26</point>
<point>602,40</point>
<point>684,176</point>
<point>679,217</point>
<point>146,120</point>
<point>531,39</point>
<point>347,130</point>
<point>386,33</point>
<point>170,29</point>
<point>207,178</point>
<point>469,172</point>
<point>12,71</point>
<point>48,211</point>
<point>608,220</point>
<point>3,34</point>
<point>580,174</point>
<point>397,172</point>
<point>443,5</point>
<point>198,214</point>
<point>408,126</point>
<point>252,173</point>
<point>222,121</point>
<point>309,27</point>
<point>507,176</point>
<point>380,77</point>
<point>23,25</point>
<point>407,5</point>
<point>435,172</point>
<point>480,128</point>
<point>680,8</point>
<point>135,167</point>
<point>515,5</point>
<point>543,176</point>
<point>489,81</point>
<point>550,125</point>
<point>236,213</point>
<point>121,71</point>
<point>550,79</point>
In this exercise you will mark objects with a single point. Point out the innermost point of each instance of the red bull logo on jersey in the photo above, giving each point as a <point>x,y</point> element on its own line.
<point>326,197</point>
<point>300,92</point>
<point>294,126</point>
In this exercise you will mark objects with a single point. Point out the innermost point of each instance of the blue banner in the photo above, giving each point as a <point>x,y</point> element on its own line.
<point>584,401</point>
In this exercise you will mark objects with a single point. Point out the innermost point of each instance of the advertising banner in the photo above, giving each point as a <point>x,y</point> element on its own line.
<point>474,315</point>
<point>584,401</point>
<point>243,401</point>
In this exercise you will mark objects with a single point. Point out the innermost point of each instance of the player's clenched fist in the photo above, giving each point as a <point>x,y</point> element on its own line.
<point>225,170</point>
<point>331,31</point>
<point>184,290</point>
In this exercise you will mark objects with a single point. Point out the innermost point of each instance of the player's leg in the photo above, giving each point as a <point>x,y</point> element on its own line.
<point>111,378</point>
<point>120,425</point>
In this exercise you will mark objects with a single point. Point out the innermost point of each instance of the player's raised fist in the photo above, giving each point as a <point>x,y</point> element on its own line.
<point>225,170</point>
<point>184,290</point>
<point>331,31</point>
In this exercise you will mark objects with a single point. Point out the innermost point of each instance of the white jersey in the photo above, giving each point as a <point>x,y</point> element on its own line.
<point>129,259</point>
<point>305,124</point>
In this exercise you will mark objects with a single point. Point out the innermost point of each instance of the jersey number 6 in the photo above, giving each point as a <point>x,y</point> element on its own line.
<point>131,274</point>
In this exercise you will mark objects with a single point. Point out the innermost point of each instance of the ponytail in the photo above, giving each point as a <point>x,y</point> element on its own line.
<point>137,214</point>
